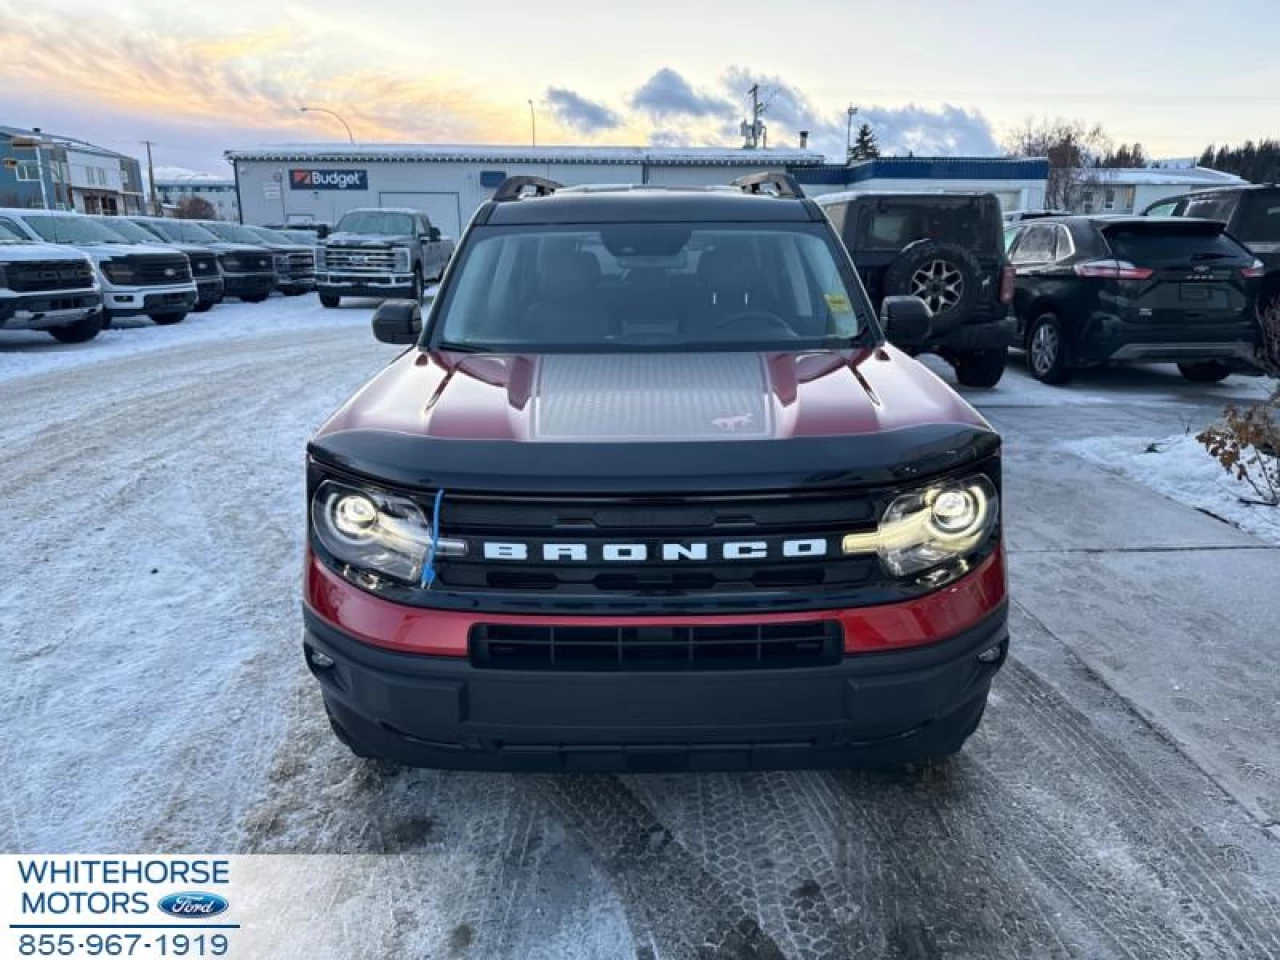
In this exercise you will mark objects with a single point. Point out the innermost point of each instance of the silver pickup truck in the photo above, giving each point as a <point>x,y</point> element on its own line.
<point>386,253</point>
<point>47,287</point>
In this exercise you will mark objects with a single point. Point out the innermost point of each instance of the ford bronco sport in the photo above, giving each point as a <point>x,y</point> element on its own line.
<point>947,249</point>
<point>650,490</point>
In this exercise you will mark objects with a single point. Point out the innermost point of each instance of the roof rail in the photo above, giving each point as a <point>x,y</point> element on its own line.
<point>513,188</point>
<point>784,185</point>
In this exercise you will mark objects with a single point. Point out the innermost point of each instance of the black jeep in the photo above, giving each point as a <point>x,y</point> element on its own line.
<point>946,249</point>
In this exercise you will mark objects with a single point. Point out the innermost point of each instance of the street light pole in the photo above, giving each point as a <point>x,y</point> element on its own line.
<point>533,123</point>
<point>350,138</point>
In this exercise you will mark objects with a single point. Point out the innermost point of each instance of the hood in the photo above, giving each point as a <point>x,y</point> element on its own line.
<point>718,416</point>
<point>14,252</point>
<point>109,251</point>
<point>371,240</point>
<point>227,246</point>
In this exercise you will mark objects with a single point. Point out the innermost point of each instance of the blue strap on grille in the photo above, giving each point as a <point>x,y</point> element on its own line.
<point>429,561</point>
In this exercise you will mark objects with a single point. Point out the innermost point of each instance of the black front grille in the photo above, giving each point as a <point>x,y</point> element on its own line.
<point>713,524</point>
<point>749,646</point>
<point>203,265</point>
<point>36,276</point>
<point>154,270</point>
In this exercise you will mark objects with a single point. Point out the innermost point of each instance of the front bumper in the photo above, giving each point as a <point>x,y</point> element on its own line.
<point>442,711</point>
<point>209,291</point>
<point>134,301</point>
<point>387,286</point>
<point>43,311</point>
<point>248,284</point>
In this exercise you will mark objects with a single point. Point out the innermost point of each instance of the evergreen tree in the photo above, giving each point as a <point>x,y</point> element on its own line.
<point>865,146</point>
<point>1256,161</point>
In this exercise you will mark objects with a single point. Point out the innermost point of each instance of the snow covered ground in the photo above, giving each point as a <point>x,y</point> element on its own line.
<point>1115,804</point>
<point>1179,468</point>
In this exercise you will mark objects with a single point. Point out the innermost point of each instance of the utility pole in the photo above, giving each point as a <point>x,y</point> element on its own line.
<point>533,124</point>
<point>756,111</point>
<point>151,179</point>
<point>848,136</point>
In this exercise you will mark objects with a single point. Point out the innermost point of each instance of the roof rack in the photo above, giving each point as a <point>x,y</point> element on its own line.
<point>513,188</point>
<point>784,185</point>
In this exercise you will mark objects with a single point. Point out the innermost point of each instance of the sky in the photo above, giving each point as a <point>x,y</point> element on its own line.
<point>930,76</point>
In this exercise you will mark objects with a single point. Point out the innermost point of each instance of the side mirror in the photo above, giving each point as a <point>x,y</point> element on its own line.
<point>907,321</point>
<point>433,234</point>
<point>398,321</point>
<point>322,231</point>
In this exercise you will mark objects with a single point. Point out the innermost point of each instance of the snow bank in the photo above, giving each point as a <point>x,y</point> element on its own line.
<point>25,354</point>
<point>1180,469</point>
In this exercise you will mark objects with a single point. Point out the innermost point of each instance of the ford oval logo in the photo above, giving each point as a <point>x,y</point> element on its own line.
<point>170,272</point>
<point>195,905</point>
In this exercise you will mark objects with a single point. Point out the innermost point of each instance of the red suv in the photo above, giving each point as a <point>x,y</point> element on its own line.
<point>651,490</point>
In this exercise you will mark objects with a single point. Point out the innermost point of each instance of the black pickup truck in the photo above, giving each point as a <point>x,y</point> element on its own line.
<point>382,253</point>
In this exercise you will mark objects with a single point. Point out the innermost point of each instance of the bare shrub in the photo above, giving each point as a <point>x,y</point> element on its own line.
<point>1247,444</point>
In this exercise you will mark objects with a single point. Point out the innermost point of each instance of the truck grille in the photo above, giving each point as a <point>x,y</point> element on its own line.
<point>750,646</point>
<point>535,523</point>
<point>361,260</point>
<point>36,276</point>
<point>295,266</point>
<point>203,265</point>
<point>154,270</point>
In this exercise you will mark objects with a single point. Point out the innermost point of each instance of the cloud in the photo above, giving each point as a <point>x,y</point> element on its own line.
<point>667,94</point>
<point>580,114</point>
<point>946,130</point>
<point>71,72</point>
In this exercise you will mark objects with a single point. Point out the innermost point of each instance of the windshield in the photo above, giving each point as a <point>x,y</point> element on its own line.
<point>269,236</point>
<point>179,231</point>
<point>300,236</point>
<point>377,222</point>
<point>652,286</point>
<point>127,231</point>
<point>9,235</point>
<point>71,230</point>
<point>1260,217</point>
<point>892,224</point>
<point>233,232</point>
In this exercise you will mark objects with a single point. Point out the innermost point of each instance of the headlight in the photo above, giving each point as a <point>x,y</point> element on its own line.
<point>319,258</point>
<point>117,271</point>
<point>932,526</point>
<point>402,260</point>
<point>375,532</point>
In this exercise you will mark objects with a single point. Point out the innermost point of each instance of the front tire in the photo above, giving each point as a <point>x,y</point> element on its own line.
<point>206,306</point>
<point>254,297</point>
<point>330,301</point>
<point>980,368</point>
<point>84,329</point>
<point>418,286</point>
<point>1047,350</point>
<point>1207,371</point>
<point>167,319</point>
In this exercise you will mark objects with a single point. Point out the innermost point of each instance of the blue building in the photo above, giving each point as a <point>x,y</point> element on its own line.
<point>1019,183</point>
<point>39,169</point>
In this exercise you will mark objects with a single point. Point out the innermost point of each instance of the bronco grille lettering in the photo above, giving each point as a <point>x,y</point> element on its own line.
<point>798,549</point>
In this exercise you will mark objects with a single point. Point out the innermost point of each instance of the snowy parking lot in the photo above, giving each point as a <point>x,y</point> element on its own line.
<point>1122,799</point>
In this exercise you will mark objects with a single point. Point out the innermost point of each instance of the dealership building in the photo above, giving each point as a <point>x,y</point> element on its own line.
<point>302,183</point>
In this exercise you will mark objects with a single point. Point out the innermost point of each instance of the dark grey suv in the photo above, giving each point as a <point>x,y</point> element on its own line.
<point>946,249</point>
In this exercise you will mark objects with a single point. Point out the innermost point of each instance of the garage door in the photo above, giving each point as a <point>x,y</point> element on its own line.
<point>443,208</point>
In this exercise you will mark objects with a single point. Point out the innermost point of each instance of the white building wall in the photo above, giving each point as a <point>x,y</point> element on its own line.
<point>449,193</point>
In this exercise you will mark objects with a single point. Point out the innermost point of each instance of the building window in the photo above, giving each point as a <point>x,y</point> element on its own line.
<point>27,170</point>
<point>1108,199</point>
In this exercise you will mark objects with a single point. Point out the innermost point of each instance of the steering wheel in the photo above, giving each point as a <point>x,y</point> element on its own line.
<point>763,320</point>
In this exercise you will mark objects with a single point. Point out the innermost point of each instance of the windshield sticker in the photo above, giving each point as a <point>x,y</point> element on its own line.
<point>837,303</point>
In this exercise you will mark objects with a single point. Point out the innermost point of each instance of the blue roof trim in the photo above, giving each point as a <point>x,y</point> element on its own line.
<point>925,168</point>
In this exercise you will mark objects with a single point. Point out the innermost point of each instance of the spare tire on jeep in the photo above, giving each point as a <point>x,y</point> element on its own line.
<point>944,275</point>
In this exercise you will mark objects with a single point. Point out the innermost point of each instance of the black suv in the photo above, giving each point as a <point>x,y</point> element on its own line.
<point>1251,213</point>
<point>945,249</point>
<point>1094,290</point>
